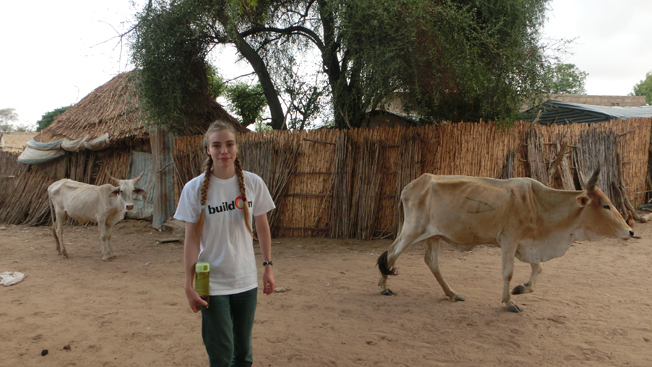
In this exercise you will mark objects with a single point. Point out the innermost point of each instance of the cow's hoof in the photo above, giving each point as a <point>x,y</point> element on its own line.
<point>519,289</point>
<point>387,292</point>
<point>513,308</point>
<point>458,298</point>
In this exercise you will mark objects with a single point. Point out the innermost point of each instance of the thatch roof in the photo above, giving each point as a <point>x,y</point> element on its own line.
<point>113,108</point>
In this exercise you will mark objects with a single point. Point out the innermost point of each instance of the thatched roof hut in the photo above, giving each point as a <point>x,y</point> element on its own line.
<point>113,109</point>
<point>106,134</point>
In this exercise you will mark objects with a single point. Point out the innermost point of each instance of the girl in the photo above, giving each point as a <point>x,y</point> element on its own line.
<point>217,207</point>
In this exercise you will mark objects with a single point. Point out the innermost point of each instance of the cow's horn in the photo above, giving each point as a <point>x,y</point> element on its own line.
<point>139,177</point>
<point>117,182</point>
<point>590,184</point>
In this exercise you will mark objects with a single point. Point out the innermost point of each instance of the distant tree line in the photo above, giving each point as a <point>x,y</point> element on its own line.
<point>8,117</point>
<point>48,118</point>
<point>644,88</point>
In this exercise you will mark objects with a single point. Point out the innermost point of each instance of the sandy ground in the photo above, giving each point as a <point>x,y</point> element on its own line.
<point>591,307</point>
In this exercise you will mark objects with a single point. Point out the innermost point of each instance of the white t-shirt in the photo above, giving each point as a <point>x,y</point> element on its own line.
<point>225,241</point>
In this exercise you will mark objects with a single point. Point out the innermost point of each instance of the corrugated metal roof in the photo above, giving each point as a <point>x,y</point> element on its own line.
<point>559,112</point>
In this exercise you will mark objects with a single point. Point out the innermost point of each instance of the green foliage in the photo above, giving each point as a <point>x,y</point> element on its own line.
<point>306,104</point>
<point>169,46</point>
<point>247,101</point>
<point>451,60</point>
<point>48,118</point>
<point>445,59</point>
<point>216,85</point>
<point>564,79</point>
<point>260,126</point>
<point>306,101</point>
<point>644,88</point>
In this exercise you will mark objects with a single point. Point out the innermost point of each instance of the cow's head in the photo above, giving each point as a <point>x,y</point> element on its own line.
<point>127,189</point>
<point>599,215</point>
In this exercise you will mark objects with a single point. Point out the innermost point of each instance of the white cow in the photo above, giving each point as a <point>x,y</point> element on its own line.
<point>526,219</point>
<point>106,205</point>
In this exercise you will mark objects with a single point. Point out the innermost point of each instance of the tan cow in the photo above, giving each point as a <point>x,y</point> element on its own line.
<point>526,219</point>
<point>106,205</point>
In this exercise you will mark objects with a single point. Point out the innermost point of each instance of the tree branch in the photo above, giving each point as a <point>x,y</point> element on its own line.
<point>297,30</point>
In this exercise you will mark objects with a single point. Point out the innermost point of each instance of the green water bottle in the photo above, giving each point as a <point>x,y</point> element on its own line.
<point>202,281</point>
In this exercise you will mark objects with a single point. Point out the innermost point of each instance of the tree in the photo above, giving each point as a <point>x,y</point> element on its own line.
<point>49,117</point>
<point>450,60</point>
<point>247,101</point>
<point>216,85</point>
<point>259,126</point>
<point>564,79</point>
<point>7,116</point>
<point>644,88</point>
<point>305,105</point>
<point>171,52</point>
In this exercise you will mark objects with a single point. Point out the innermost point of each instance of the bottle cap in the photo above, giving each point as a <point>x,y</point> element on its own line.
<point>202,267</point>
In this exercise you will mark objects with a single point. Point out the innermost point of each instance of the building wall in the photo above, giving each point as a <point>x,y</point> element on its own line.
<point>15,142</point>
<point>384,119</point>
<point>622,101</point>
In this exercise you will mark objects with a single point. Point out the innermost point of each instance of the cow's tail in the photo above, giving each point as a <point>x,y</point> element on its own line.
<point>385,270</point>
<point>53,217</point>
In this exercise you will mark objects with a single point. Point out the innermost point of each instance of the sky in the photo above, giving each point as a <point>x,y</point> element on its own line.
<point>613,41</point>
<point>54,53</point>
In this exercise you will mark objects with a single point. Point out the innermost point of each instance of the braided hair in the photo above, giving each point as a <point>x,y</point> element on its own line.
<point>208,169</point>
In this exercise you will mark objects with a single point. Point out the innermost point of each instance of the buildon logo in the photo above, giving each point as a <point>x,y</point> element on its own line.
<point>237,203</point>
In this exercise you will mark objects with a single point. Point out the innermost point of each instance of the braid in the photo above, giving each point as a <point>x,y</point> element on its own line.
<point>241,184</point>
<point>208,166</point>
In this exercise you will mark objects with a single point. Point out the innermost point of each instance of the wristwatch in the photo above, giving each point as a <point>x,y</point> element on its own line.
<point>265,263</point>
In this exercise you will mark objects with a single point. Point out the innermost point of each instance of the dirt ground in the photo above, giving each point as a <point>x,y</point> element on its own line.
<point>591,307</point>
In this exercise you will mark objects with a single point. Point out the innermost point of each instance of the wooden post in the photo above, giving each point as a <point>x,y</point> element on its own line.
<point>162,143</point>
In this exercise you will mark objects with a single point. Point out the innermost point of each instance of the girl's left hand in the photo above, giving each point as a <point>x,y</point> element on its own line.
<point>268,280</point>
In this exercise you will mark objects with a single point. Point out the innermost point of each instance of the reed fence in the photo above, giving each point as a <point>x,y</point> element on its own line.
<point>347,184</point>
<point>23,189</point>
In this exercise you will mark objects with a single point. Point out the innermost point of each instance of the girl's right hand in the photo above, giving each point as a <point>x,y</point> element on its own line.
<point>194,300</point>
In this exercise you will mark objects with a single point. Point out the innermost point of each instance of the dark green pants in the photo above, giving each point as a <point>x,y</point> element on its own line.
<point>226,328</point>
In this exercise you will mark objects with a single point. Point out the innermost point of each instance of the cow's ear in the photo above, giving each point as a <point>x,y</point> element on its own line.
<point>582,200</point>
<point>115,192</point>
